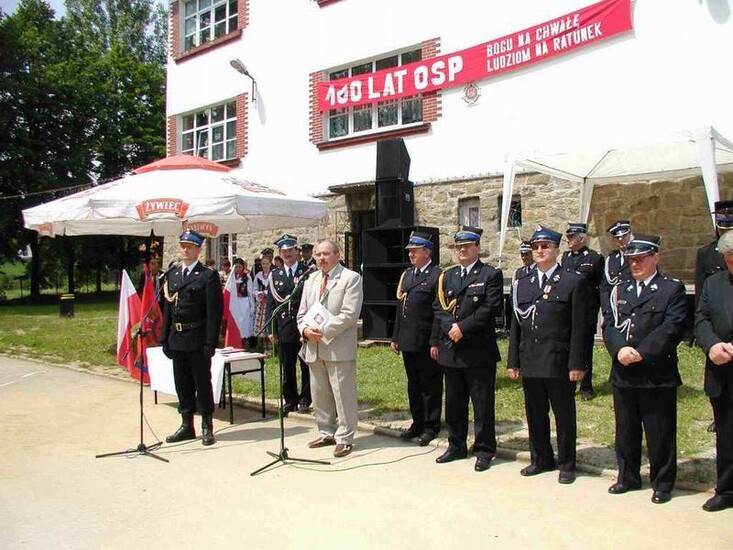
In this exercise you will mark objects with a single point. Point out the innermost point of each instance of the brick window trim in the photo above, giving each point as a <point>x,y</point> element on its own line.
<point>389,134</point>
<point>193,52</point>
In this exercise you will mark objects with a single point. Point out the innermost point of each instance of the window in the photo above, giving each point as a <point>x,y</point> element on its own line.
<point>206,20</point>
<point>379,116</point>
<point>468,212</point>
<point>515,211</point>
<point>211,133</point>
<point>226,246</point>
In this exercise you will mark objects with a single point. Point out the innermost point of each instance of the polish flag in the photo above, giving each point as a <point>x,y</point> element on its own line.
<point>235,314</point>
<point>127,317</point>
<point>151,319</point>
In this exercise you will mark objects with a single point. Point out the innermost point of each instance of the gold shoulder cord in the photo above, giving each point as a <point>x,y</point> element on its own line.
<point>450,307</point>
<point>167,294</point>
<point>401,295</point>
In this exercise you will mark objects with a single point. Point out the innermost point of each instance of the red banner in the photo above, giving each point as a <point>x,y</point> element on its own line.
<point>515,51</point>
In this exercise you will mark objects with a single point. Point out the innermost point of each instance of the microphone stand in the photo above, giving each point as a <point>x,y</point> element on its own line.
<point>282,456</point>
<point>142,448</point>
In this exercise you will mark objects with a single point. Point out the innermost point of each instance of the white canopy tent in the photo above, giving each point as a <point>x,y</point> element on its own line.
<point>700,151</point>
<point>176,192</point>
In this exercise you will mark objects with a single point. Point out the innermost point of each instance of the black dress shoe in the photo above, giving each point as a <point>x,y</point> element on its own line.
<point>450,455</point>
<point>587,395</point>
<point>620,488</point>
<point>411,433</point>
<point>207,430</point>
<point>483,463</point>
<point>425,439</point>
<point>660,497</point>
<point>718,503</point>
<point>534,469</point>
<point>183,433</point>
<point>566,477</point>
<point>304,407</point>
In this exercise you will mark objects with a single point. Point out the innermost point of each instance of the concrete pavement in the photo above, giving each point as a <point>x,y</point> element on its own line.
<point>55,493</point>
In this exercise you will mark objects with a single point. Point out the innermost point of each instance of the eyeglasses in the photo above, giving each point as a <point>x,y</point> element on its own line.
<point>638,258</point>
<point>542,246</point>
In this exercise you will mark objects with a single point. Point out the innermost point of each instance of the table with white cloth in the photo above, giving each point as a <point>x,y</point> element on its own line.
<point>251,365</point>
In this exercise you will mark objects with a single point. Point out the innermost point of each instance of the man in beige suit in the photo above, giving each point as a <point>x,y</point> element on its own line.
<point>330,346</point>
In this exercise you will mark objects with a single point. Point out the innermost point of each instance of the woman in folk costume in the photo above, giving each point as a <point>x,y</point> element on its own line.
<point>244,293</point>
<point>261,291</point>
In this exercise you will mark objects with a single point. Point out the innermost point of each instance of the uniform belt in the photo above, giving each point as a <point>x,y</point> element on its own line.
<point>180,327</point>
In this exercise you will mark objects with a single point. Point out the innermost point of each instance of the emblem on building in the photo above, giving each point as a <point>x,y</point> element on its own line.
<point>471,93</point>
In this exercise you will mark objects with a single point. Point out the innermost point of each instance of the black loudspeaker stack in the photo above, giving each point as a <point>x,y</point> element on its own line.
<point>395,199</point>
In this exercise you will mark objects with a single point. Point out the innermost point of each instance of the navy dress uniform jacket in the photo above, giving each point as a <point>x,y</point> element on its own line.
<point>653,324</point>
<point>616,270</point>
<point>548,342</point>
<point>590,265</point>
<point>281,287</point>
<point>194,305</point>
<point>414,318</point>
<point>714,324</point>
<point>708,262</point>
<point>473,303</point>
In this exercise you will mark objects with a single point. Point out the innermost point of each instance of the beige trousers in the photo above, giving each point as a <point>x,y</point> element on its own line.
<point>333,389</point>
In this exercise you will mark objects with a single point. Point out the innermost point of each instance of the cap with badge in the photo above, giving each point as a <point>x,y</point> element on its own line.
<point>576,227</point>
<point>285,242</point>
<point>724,214</point>
<point>525,247</point>
<point>643,244</point>
<point>545,234</point>
<point>418,239</point>
<point>619,228</point>
<point>191,237</point>
<point>267,252</point>
<point>306,247</point>
<point>467,235</point>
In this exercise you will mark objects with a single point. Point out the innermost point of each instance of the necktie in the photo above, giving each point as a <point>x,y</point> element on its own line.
<point>324,282</point>
<point>185,273</point>
<point>463,273</point>
<point>544,280</point>
<point>641,288</point>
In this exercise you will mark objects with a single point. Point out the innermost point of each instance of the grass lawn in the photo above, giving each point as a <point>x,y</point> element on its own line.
<point>89,339</point>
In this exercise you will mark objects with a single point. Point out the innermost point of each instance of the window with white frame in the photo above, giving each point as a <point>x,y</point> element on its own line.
<point>468,212</point>
<point>515,211</point>
<point>207,20</point>
<point>211,133</point>
<point>380,116</point>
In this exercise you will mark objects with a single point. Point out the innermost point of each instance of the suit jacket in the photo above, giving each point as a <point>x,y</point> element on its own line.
<point>653,324</point>
<point>414,317</point>
<point>473,303</point>
<point>589,264</point>
<point>714,324</point>
<point>195,300</point>
<point>281,287</point>
<point>708,262</point>
<point>342,298</point>
<point>616,269</point>
<point>550,325</point>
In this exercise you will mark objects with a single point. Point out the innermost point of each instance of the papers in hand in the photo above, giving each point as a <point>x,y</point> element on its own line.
<point>318,317</point>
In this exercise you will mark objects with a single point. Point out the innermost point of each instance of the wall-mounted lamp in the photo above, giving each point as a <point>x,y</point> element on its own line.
<point>238,66</point>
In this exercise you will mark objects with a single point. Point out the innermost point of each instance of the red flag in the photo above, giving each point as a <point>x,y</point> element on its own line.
<point>151,319</point>
<point>234,313</point>
<point>127,317</point>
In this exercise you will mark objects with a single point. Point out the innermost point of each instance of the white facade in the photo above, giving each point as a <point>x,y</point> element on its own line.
<point>670,73</point>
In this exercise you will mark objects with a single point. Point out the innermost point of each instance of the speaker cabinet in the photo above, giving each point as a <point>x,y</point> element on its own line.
<point>393,162</point>
<point>395,201</point>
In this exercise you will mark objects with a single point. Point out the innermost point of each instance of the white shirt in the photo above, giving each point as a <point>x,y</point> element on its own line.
<point>187,269</point>
<point>422,269</point>
<point>549,273</point>
<point>646,283</point>
<point>468,268</point>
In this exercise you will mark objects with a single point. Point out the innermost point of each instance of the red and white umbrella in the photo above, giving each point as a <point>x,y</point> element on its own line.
<point>171,194</point>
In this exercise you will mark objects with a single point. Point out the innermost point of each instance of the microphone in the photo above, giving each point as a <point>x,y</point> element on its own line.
<point>173,266</point>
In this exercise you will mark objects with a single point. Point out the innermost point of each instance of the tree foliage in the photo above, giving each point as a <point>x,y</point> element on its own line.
<point>81,101</point>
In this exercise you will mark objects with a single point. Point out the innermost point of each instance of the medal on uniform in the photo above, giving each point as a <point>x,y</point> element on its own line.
<point>546,290</point>
<point>544,296</point>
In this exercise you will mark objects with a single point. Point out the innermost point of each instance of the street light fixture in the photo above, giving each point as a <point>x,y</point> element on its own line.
<point>240,67</point>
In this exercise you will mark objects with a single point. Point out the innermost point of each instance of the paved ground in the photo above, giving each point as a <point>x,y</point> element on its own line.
<point>56,494</point>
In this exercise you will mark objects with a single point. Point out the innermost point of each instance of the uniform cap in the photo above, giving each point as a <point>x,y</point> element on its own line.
<point>418,239</point>
<point>286,242</point>
<point>545,234</point>
<point>525,247</point>
<point>191,237</point>
<point>467,234</point>
<point>619,228</point>
<point>643,244</point>
<point>723,214</point>
<point>576,227</point>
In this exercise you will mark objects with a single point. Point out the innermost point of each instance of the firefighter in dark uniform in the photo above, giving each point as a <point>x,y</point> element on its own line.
<point>589,264</point>
<point>411,336</point>
<point>547,346</point>
<point>190,332</point>
<point>463,340</point>
<point>645,324</point>
<point>714,332</point>
<point>616,268</point>
<point>283,281</point>
<point>306,255</point>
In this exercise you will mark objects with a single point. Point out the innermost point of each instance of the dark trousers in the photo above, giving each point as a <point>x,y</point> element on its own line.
<point>424,389</point>
<point>290,359</point>
<point>477,384</point>
<point>654,410</point>
<point>586,384</point>
<point>539,395</point>
<point>723,414</point>
<point>192,375</point>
